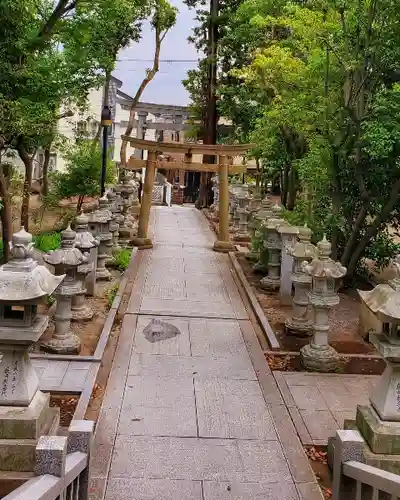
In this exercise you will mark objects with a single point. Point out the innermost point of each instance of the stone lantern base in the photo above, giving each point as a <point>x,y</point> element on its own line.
<point>142,243</point>
<point>320,358</point>
<point>299,327</point>
<point>21,427</point>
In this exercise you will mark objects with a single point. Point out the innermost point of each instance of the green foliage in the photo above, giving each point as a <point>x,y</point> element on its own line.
<point>121,258</point>
<point>316,86</point>
<point>47,241</point>
<point>111,293</point>
<point>82,174</point>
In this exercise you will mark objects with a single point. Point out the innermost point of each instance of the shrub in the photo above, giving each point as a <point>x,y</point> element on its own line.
<point>47,241</point>
<point>111,293</point>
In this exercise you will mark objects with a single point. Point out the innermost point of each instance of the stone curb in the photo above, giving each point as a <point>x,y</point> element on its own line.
<point>261,318</point>
<point>86,393</point>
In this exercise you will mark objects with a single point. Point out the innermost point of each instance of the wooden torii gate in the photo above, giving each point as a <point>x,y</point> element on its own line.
<point>223,153</point>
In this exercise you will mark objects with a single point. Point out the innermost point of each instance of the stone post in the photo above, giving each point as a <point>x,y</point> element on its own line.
<point>300,322</point>
<point>99,222</point>
<point>319,355</point>
<point>260,221</point>
<point>65,260</point>
<point>223,244</point>
<point>127,225</point>
<point>273,244</point>
<point>135,206</point>
<point>288,237</point>
<point>85,242</point>
<point>142,239</point>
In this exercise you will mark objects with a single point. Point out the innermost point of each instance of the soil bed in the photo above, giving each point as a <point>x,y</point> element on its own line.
<point>89,331</point>
<point>67,404</point>
<point>343,318</point>
<point>317,455</point>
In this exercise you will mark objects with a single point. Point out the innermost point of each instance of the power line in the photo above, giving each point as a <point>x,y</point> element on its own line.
<point>161,60</point>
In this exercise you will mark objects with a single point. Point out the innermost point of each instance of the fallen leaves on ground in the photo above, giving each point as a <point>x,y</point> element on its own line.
<point>279,362</point>
<point>317,455</point>
<point>67,407</point>
<point>327,493</point>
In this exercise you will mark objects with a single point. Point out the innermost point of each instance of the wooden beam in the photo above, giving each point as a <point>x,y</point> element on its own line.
<point>176,147</point>
<point>134,164</point>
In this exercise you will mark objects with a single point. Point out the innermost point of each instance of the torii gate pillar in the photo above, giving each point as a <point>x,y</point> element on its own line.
<point>142,240</point>
<point>223,244</point>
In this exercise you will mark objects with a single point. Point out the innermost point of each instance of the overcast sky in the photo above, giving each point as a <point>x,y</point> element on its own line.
<point>166,88</point>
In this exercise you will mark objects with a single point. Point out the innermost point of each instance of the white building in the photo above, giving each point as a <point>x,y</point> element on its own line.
<point>151,121</point>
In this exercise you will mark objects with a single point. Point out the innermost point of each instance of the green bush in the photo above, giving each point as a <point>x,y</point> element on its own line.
<point>47,241</point>
<point>121,258</point>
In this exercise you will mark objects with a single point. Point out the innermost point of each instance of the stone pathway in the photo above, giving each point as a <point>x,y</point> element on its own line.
<point>197,416</point>
<point>319,403</point>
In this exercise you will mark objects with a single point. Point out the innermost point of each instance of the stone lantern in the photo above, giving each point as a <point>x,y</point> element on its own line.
<point>384,302</point>
<point>25,411</point>
<point>65,260</point>
<point>86,243</point>
<point>135,204</point>
<point>260,220</point>
<point>300,322</point>
<point>126,190</point>
<point>273,243</point>
<point>23,285</point>
<point>116,217</point>
<point>319,355</point>
<point>242,212</point>
<point>99,224</point>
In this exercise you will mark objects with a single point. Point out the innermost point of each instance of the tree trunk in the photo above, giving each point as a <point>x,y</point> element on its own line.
<point>80,204</point>
<point>27,160</point>
<point>373,229</point>
<point>292,189</point>
<point>6,215</point>
<point>285,185</point>
<point>45,184</point>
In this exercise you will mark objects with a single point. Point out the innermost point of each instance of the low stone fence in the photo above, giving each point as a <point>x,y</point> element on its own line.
<point>353,479</point>
<point>62,466</point>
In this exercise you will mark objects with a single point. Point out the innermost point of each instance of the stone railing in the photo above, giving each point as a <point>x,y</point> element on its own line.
<point>62,466</point>
<point>354,480</point>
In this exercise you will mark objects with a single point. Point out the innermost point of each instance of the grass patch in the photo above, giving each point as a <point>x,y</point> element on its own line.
<point>121,258</point>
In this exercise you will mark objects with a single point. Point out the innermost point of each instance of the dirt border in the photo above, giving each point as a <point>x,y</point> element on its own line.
<point>259,313</point>
<point>128,276</point>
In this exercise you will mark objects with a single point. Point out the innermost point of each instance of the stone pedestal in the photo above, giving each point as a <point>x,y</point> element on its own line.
<point>300,321</point>
<point>223,244</point>
<point>116,218</point>
<point>273,244</point>
<point>288,238</point>
<point>24,411</point>
<point>85,242</point>
<point>319,355</point>
<point>65,260</point>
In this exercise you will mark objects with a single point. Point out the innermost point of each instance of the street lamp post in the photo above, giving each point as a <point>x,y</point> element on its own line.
<point>106,121</point>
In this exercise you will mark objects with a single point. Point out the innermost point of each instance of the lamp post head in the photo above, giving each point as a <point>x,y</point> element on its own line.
<point>106,117</point>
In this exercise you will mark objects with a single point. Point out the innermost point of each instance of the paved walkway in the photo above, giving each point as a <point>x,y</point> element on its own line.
<point>319,403</point>
<point>197,416</point>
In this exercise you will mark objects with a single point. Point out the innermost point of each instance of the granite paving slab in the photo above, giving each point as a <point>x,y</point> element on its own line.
<point>61,376</point>
<point>320,403</point>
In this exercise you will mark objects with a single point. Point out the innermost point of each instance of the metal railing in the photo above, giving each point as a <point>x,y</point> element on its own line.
<point>62,466</point>
<point>355,480</point>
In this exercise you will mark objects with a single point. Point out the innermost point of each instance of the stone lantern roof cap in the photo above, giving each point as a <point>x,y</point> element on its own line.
<point>384,299</point>
<point>84,240</point>
<point>102,215</point>
<point>323,266</point>
<point>23,279</point>
<point>304,249</point>
<point>68,255</point>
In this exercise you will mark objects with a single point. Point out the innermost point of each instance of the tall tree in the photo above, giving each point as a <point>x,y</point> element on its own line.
<point>162,20</point>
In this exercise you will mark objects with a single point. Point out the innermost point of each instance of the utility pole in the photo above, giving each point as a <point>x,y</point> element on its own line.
<point>210,122</point>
